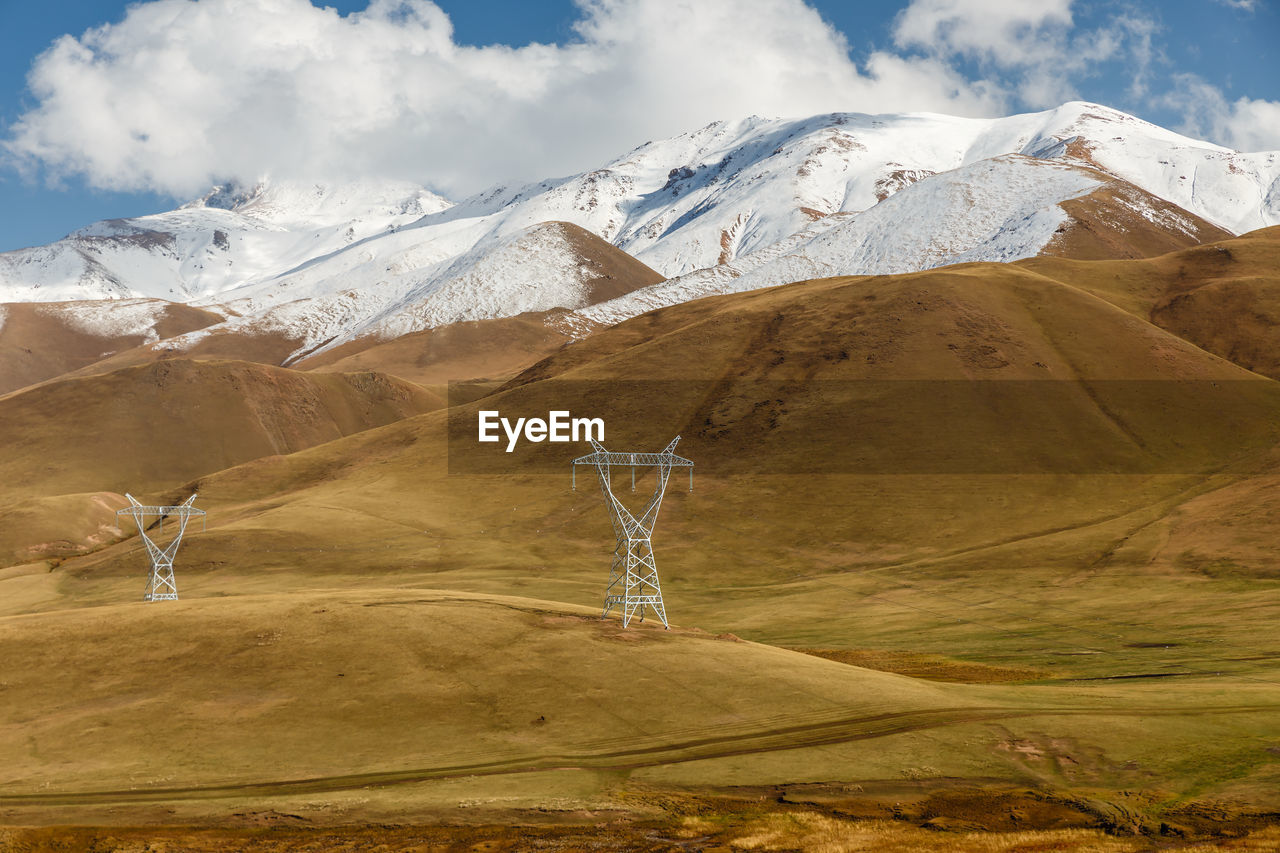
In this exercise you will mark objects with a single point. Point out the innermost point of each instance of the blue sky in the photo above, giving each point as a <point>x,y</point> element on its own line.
<point>175,94</point>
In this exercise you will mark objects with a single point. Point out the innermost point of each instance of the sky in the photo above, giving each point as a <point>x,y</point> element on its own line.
<point>113,109</point>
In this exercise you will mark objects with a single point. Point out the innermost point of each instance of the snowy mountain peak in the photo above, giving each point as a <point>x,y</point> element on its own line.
<point>226,196</point>
<point>231,237</point>
<point>302,204</point>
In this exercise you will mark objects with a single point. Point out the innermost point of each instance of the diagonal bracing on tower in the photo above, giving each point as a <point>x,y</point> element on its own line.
<point>633,576</point>
<point>161,585</point>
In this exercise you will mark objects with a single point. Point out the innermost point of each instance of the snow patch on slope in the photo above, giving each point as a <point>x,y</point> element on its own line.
<point>536,269</point>
<point>1169,218</point>
<point>1000,209</point>
<point>110,319</point>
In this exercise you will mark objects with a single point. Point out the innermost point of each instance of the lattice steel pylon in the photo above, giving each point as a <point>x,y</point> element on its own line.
<point>161,586</point>
<point>633,576</point>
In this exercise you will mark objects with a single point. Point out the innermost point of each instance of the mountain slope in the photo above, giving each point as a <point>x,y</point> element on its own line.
<point>305,267</point>
<point>732,188</point>
<point>1001,209</point>
<point>1120,221</point>
<point>155,426</point>
<point>40,341</point>
<point>497,348</point>
<point>546,266</point>
<point>868,379</point>
<point>218,242</point>
<point>381,621</point>
<point>1223,297</point>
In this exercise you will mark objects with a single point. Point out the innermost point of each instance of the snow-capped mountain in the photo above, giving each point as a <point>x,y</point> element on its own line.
<point>211,245</point>
<point>733,205</point>
<point>1000,209</point>
<point>539,268</point>
<point>732,188</point>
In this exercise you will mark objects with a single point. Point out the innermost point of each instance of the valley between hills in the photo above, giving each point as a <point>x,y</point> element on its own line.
<point>1047,616</point>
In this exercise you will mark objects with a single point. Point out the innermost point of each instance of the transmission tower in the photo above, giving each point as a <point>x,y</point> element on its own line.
<point>161,586</point>
<point>633,576</point>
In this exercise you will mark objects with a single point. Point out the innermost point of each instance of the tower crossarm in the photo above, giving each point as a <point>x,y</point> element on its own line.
<point>633,576</point>
<point>606,457</point>
<point>155,511</point>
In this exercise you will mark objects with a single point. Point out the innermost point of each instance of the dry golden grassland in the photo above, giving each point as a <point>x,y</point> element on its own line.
<point>1073,649</point>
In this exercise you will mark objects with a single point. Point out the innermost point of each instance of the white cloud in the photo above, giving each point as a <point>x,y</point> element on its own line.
<point>1244,124</point>
<point>1037,46</point>
<point>1140,35</point>
<point>996,31</point>
<point>1242,5</point>
<point>182,93</point>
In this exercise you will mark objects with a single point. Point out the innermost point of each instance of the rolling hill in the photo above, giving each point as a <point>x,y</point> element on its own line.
<point>1032,416</point>
<point>1221,297</point>
<point>75,446</point>
<point>470,700</point>
<point>40,341</point>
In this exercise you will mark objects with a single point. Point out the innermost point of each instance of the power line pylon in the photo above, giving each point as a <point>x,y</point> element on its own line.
<point>633,576</point>
<point>161,586</point>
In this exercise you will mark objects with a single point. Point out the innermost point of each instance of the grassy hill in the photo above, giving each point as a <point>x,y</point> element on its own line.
<point>44,340</point>
<point>470,350</point>
<point>409,694</point>
<point>1224,297</point>
<point>1034,525</point>
<point>75,446</point>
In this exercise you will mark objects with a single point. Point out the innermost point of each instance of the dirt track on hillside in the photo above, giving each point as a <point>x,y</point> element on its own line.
<point>628,758</point>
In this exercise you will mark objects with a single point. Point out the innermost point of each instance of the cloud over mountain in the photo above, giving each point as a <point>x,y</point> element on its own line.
<point>1040,43</point>
<point>1246,124</point>
<point>180,94</point>
<point>184,92</point>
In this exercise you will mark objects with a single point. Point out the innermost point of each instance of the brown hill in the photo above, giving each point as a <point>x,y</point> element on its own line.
<point>1120,221</point>
<point>1064,558</point>
<point>236,677</point>
<point>53,528</point>
<point>839,426</point>
<point>258,346</point>
<point>40,341</point>
<point>370,705</point>
<point>1223,297</point>
<point>479,349</point>
<point>146,429</point>
<point>615,273</point>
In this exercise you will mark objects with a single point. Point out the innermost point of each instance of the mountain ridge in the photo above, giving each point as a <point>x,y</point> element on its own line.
<point>297,268</point>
